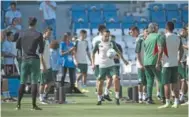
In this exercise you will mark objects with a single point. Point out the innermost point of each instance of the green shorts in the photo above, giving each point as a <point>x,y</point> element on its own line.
<point>182,70</point>
<point>46,77</point>
<point>117,70</point>
<point>96,71</point>
<point>169,75</point>
<point>107,72</point>
<point>141,77</point>
<point>30,67</point>
<point>83,68</point>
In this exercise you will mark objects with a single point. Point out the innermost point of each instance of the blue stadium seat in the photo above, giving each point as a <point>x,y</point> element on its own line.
<point>173,15</point>
<point>142,22</point>
<point>109,7</point>
<point>184,12</point>
<point>127,25</point>
<point>129,19</point>
<point>158,16</point>
<point>78,25</point>
<point>95,16</point>
<point>95,25</point>
<point>161,24</point>
<point>92,7</point>
<point>171,7</point>
<point>79,15</point>
<point>109,14</point>
<point>114,25</point>
<point>184,7</point>
<point>142,25</point>
<point>78,7</point>
<point>178,25</point>
<point>154,7</point>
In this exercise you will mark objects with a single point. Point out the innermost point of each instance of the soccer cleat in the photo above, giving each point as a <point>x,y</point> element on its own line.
<point>158,97</point>
<point>150,101</point>
<point>174,106</point>
<point>164,106</point>
<point>107,97</point>
<point>18,107</point>
<point>117,102</point>
<point>163,100</point>
<point>184,104</point>
<point>140,101</point>
<point>36,108</point>
<point>99,103</point>
<point>43,102</point>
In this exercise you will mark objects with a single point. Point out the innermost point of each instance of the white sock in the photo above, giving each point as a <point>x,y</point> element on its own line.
<point>144,96</point>
<point>167,101</point>
<point>106,92</point>
<point>41,97</point>
<point>181,96</point>
<point>158,93</point>
<point>172,94</point>
<point>176,101</point>
<point>117,95</point>
<point>139,95</point>
<point>99,97</point>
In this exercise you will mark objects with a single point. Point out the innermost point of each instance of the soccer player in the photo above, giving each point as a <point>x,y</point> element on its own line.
<point>140,56</point>
<point>168,51</point>
<point>182,68</point>
<point>46,80</point>
<point>28,41</point>
<point>82,51</point>
<point>150,59</point>
<point>106,65</point>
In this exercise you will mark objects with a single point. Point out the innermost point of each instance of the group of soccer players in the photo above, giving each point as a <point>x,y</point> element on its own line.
<point>160,56</point>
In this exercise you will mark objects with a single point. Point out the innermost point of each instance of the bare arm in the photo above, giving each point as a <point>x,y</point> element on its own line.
<point>88,54</point>
<point>139,58</point>
<point>181,51</point>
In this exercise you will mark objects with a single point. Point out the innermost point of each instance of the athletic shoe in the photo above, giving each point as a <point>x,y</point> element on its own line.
<point>158,97</point>
<point>174,106</point>
<point>102,99</point>
<point>43,102</point>
<point>181,101</point>
<point>117,102</point>
<point>36,108</point>
<point>164,106</point>
<point>18,107</point>
<point>186,103</point>
<point>145,100</point>
<point>140,101</point>
<point>107,97</point>
<point>150,101</point>
<point>99,103</point>
<point>163,101</point>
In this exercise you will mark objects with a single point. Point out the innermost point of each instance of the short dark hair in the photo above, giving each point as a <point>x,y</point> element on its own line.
<point>145,28</point>
<point>48,28</point>
<point>83,31</point>
<point>32,21</point>
<point>134,28</point>
<point>68,34</point>
<point>101,27</point>
<point>113,36</point>
<point>9,33</point>
<point>170,26</point>
<point>108,31</point>
<point>13,3</point>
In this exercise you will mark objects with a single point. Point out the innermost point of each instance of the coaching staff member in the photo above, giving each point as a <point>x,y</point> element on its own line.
<point>28,42</point>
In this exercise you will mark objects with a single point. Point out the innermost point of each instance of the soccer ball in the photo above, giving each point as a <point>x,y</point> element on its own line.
<point>111,53</point>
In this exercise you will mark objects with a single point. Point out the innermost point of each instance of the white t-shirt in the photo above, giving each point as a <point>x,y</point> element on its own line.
<point>81,54</point>
<point>8,47</point>
<point>12,14</point>
<point>95,40</point>
<point>48,12</point>
<point>103,60</point>
<point>172,44</point>
<point>46,55</point>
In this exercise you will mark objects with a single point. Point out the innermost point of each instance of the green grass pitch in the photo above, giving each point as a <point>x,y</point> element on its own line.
<point>85,106</point>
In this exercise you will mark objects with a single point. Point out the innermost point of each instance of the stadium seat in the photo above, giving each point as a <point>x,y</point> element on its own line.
<point>94,27</point>
<point>128,25</point>
<point>79,17</point>
<point>94,7</point>
<point>178,25</point>
<point>129,19</point>
<point>162,25</point>
<point>95,16</point>
<point>173,16</point>
<point>110,15</point>
<point>171,7</point>
<point>158,16</point>
<point>113,25</point>
<point>184,12</point>
<point>109,7</point>
<point>78,7</point>
<point>155,7</point>
<point>78,25</point>
<point>142,22</point>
